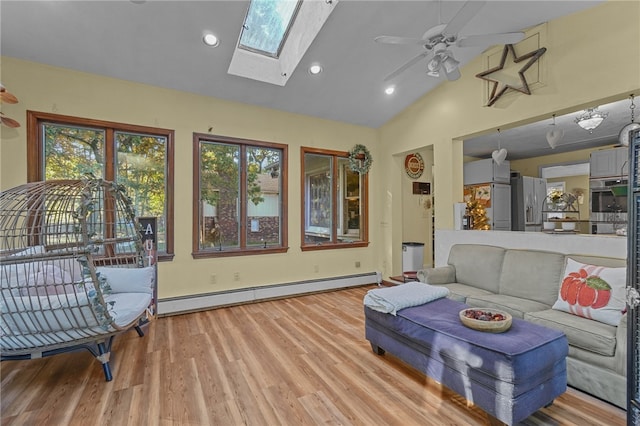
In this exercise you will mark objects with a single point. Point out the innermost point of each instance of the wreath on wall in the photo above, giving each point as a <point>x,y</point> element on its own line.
<point>360,159</point>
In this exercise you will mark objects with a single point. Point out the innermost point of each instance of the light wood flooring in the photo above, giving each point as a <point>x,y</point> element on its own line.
<point>296,361</point>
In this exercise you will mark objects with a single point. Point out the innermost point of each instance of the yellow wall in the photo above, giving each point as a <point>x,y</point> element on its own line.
<point>61,91</point>
<point>581,67</point>
<point>417,210</point>
<point>577,71</point>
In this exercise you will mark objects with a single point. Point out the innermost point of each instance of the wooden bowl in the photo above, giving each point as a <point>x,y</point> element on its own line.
<point>486,325</point>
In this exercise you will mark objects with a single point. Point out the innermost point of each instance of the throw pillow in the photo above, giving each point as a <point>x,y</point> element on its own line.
<point>17,275</point>
<point>593,292</point>
<point>129,280</point>
<point>49,281</point>
<point>29,251</point>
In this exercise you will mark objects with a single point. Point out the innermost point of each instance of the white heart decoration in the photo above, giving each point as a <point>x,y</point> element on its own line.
<point>554,136</point>
<point>499,155</point>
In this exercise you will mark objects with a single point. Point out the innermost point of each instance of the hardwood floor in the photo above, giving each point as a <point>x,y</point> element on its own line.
<point>297,361</point>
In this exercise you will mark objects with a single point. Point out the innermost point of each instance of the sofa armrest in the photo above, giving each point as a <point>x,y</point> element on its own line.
<point>439,275</point>
<point>621,347</point>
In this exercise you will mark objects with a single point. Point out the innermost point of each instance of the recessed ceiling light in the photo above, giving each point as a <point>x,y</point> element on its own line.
<point>315,69</point>
<point>211,40</point>
<point>390,90</point>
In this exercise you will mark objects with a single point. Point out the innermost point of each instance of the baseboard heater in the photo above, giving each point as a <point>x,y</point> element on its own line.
<point>184,304</point>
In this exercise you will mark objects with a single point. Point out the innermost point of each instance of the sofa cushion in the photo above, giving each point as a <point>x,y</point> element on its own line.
<point>583,333</point>
<point>611,262</point>
<point>477,265</point>
<point>516,306</point>
<point>461,292</point>
<point>593,292</point>
<point>531,274</point>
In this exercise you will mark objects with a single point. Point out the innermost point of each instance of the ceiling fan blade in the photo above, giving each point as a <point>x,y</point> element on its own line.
<point>9,122</point>
<point>490,39</point>
<point>399,40</point>
<point>453,75</point>
<point>464,15</point>
<point>407,66</point>
<point>8,98</point>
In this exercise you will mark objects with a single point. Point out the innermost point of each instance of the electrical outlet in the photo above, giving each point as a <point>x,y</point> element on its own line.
<point>357,263</point>
<point>213,279</point>
<point>316,268</point>
<point>236,276</point>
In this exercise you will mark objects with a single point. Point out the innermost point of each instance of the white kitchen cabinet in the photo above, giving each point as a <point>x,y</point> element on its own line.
<point>496,199</point>
<point>609,163</point>
<point>486,171</point>
<point>499,213</point>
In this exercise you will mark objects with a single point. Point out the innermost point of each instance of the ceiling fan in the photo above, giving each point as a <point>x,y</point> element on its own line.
<point>438,42</point>
<point>9,98</point>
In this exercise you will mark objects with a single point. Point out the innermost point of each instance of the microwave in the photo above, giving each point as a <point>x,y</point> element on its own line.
<point>608,198</point>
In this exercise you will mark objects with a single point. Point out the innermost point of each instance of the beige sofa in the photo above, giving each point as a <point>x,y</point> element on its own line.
<point>526,284</point>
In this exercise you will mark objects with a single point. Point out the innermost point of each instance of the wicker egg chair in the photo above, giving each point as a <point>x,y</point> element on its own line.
<point>73,272</point>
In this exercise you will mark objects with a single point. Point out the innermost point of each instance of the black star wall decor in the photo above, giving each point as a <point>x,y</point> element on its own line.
<point>499,86</point>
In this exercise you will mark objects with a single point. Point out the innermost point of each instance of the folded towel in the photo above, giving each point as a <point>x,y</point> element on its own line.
<point>391,299</point>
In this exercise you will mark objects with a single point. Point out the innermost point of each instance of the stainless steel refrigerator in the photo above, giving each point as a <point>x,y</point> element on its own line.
<point>527,198</point>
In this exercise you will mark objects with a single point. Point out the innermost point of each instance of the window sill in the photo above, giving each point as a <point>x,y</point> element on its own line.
<point>165,257</point>
<point>213,253</point>
<point>331,246</point>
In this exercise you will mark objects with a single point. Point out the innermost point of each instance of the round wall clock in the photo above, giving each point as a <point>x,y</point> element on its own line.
<point>414,165</point>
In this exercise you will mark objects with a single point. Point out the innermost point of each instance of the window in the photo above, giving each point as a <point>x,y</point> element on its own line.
<point>240,197</point>
<point>266,25</point>
<point>555,187</point>
<point>334,201</point>
<point>140,158</point>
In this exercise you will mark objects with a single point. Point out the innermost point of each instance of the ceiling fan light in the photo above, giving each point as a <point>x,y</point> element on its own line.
<point>433,74</point>
<point>434,65</point>
<point>590,119</point>
<point>450,64</point>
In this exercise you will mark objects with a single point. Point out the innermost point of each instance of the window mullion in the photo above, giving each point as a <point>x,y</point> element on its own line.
<point>335,189</point>
<point>110,151</point>
<point>243,197</point>
<point>109,174</point>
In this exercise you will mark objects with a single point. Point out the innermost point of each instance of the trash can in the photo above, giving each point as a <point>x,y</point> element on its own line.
<point>412,256</point>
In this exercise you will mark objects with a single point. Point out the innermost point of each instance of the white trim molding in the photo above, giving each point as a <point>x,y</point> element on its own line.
<point>179,305</point>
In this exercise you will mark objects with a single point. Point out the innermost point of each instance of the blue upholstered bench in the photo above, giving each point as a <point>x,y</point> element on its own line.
<point>509,375</point>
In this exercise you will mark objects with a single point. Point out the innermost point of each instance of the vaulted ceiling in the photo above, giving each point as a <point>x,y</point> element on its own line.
<point>160,43</point>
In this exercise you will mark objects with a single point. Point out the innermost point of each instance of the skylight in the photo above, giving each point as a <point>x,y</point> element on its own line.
<point>266,25</point>
<point>297,32</point>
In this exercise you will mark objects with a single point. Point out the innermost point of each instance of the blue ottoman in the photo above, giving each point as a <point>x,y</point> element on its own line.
<point>509,375</point>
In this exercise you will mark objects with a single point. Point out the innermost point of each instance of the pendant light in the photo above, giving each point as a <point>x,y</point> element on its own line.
<point>591,118</point>
<point>500,154</point>
<point>623,137</point>
<point>554,135</point>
